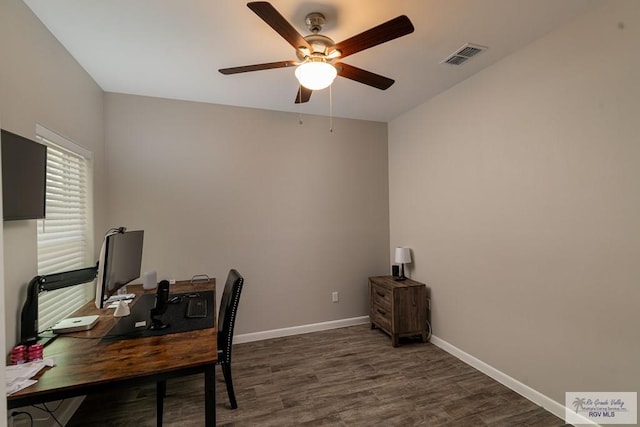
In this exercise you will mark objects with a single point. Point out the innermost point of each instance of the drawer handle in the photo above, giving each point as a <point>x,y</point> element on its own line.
<point>382,312</point>
<point>380,294</point>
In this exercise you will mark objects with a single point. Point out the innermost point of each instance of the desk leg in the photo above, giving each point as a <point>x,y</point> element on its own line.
<point>161,390</point>
<point>210,396</point>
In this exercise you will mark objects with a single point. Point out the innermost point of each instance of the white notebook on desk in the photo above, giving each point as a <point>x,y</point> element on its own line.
<point>75,324</point>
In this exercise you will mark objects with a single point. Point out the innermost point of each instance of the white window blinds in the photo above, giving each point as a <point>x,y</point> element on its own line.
<point>64,237</point>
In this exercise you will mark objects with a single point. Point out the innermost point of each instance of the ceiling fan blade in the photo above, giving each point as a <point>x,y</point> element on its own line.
<point>397,27</point>
<point>303,95</point>
<point>258,67</point>
<point>272,17</point>
<point>363,76</point>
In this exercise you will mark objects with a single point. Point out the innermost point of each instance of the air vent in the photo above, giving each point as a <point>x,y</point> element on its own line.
<point>463,54</point>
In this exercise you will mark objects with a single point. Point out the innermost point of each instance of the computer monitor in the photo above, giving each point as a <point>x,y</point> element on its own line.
<point>120,262</point>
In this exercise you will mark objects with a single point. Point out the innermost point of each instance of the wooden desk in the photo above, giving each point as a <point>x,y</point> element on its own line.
<point>85,364</point>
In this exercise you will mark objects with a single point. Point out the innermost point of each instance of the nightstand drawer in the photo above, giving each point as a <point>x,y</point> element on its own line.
<point>382,312</point>
<point>381,317</point>
<point>381,296</point>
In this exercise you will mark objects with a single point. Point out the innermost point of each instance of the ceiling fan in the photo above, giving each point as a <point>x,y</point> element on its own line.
<point>317,54</point>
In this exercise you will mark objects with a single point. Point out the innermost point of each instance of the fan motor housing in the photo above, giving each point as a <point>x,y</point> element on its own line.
<point>319,44</point>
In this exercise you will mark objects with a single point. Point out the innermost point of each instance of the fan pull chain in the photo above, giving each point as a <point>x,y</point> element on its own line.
<point>300,122</point>
<point>331,108</point>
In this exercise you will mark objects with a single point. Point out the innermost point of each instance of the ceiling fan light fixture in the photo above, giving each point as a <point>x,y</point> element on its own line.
<point>316,75</point>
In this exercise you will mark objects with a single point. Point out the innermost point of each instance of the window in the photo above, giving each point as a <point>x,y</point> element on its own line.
<point>65,239</point>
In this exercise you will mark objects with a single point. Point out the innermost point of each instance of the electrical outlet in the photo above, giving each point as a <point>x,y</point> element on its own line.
<point>334,296</point>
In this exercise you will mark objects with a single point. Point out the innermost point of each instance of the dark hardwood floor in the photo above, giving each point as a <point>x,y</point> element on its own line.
<point>342,377</point>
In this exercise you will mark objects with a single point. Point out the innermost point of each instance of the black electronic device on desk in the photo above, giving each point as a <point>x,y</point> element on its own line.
<point>196,308</point>
<point>160,307</point>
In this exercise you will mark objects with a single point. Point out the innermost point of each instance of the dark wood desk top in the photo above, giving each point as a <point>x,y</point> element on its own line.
<point>84,362</point>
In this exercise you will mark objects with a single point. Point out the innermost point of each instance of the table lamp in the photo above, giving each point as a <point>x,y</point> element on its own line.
<point>403,256</point>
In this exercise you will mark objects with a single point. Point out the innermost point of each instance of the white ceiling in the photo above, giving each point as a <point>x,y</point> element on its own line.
<point>173,48</point>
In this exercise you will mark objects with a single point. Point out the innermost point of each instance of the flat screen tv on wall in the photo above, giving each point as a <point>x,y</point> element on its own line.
<point>24,177</point>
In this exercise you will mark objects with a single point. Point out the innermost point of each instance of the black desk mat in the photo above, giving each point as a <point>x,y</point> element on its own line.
<point>175,317</point>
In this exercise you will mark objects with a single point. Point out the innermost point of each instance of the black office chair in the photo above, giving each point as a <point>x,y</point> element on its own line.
<point>226,322</point>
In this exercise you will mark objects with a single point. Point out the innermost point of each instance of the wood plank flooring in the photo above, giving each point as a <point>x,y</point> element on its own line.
<point>342,377</point>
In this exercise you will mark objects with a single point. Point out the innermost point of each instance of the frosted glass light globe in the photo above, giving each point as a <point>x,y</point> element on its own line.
<point>316,75</point>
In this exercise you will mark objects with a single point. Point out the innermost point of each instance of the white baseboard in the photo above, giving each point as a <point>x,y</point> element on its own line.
<point>303,329</point>
<point>524,390</point>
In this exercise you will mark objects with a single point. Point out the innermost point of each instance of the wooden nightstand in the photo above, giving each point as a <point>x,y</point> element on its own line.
<point>398,307</point>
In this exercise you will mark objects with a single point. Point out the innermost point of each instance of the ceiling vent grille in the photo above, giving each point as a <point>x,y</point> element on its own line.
<point>466,52</point>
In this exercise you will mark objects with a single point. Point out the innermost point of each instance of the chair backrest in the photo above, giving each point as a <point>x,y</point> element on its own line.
<point>227,314</point>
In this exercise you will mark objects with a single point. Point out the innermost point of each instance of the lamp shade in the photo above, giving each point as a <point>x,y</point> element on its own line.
<point>316,75</point>
<point>403,255</point>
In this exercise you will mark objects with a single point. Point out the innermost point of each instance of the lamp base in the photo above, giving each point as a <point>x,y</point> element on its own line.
<point>401,276</point>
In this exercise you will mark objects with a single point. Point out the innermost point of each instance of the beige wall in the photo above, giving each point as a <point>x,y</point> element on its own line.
<point>42,83</point>
<point>299,211</point>
<point>518,192</point>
